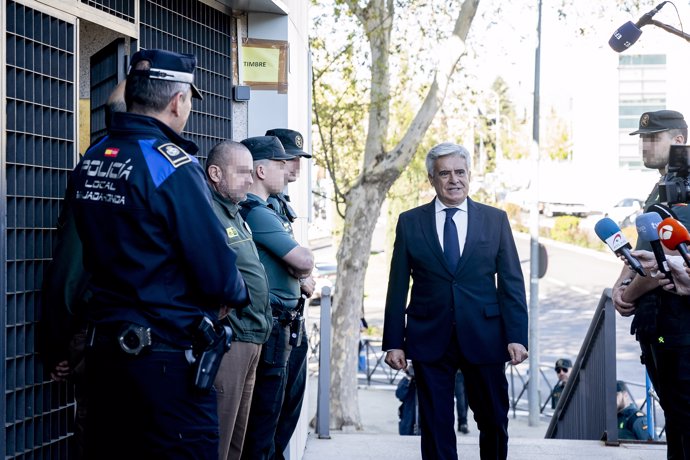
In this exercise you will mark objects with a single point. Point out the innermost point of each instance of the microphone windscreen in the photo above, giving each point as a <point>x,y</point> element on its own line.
<point>624,37</point>
<point>664,211</point>
<point>672,233</point>
<point>605,228</point>
<point>647,224</point>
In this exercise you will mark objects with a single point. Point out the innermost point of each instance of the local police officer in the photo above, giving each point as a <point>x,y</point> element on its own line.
<point>229,168</point>
<point>293,143</point>
<point>161,271</point>
<point>662,320</point>
<point>285,262</point>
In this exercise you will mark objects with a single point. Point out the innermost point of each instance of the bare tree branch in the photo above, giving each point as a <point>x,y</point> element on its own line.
<point>402,153</point>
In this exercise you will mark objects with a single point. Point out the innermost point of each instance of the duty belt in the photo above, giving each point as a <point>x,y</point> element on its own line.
<point>129,337</point>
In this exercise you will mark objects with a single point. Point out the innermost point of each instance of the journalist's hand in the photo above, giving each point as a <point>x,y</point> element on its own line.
<point>307,285</point>
<point>61,372</point>
<point>680,276</point>
<point>396,359</point>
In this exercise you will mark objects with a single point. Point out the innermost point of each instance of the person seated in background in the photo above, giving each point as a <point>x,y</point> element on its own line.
<point>632,423</point>
<point>562,369</point>
<point>407,412</point>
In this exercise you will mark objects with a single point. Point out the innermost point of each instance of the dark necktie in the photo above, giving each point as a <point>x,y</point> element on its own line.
<point>451,245</point>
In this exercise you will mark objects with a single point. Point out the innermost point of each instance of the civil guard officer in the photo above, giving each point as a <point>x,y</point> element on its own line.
<point>296,383</point>
<point>161,273</point>
<point>662,319</point>
<point>285,262</point>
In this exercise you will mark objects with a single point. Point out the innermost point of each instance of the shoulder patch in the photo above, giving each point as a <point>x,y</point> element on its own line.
<point>174,154</point>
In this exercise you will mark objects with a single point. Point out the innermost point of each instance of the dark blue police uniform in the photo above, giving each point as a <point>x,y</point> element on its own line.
<point>159,264</point>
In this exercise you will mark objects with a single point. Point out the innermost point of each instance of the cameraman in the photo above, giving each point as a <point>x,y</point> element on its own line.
<point>662,318</point>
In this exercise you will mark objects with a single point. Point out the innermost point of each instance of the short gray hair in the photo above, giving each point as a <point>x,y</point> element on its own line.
<point>446,148</point>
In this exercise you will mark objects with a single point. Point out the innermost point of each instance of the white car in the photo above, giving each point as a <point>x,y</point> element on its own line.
<point>324,274</point>
<point>625,211</point>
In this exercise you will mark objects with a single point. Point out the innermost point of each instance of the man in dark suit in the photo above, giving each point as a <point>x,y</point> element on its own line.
<point>467,307</point>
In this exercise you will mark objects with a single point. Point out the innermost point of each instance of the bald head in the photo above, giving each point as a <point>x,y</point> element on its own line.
<point>229,168</point>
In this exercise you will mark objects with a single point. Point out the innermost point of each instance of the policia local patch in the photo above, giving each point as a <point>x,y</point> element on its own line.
<point>175,155</point>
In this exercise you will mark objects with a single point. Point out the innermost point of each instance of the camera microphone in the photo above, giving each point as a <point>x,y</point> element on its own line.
<point>647,225</point>
<point>675,237</point>
<point>610,233</point>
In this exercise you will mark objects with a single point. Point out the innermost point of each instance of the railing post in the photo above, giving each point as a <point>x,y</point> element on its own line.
<point>323,416</point>
<point>651,421</point>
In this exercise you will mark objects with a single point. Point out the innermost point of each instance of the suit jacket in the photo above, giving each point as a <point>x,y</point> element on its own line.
<point>482,300</point>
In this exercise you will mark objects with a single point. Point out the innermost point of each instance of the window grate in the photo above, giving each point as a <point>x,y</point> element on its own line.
<point>123,9</point>
<point>40,116</point>
<point>192,27</point>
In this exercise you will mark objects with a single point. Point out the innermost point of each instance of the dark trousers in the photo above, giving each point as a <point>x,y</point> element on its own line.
<point>145,407</point>
<point>669,369</point>
<point>487,394</point>
<point>267,399</point>
<point>296,383</point>
<point>460,398</point>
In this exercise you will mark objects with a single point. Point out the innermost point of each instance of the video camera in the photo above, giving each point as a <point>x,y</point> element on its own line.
<point>675,187</point>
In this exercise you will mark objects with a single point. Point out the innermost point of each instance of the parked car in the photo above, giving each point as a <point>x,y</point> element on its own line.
<point>625,211</point>
<point>324,274</point>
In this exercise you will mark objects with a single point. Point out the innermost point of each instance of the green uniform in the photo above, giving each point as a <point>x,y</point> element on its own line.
<point>252,323</point>
<point>274,239</point>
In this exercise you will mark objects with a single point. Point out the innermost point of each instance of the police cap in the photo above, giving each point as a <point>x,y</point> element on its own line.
<point>565,363</point>
<point>266,148</point>
<point>292,141</point>
<point>659,121</point>
<point>167,66</point>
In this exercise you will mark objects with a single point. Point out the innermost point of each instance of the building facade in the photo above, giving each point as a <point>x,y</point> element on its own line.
<point>59,62</point>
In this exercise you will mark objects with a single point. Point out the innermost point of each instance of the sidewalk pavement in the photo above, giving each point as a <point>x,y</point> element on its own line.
<point>379,439</point>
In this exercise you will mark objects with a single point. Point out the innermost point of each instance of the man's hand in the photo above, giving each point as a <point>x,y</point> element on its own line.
<point>622,307</point>
<point>307,285</point>
<point>396,359</point>
<point>61,371</point>
<point>680,276</point>
<point>517,352</point>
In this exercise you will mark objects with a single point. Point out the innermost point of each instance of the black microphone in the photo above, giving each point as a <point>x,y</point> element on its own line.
<point>647,225</point>
<point>627,34</point>
<point>607,230</point>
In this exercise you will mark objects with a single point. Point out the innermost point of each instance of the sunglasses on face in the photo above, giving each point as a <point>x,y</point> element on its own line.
<point>561,369</point>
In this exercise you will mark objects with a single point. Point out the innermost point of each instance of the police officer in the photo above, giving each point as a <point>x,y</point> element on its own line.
<point>229,169</point>
<point>562,369</point>
<point>632,423</point>
<point>161,271</point>
<point>285,262</point>
<point>293,143</point>
<point>662,320</point>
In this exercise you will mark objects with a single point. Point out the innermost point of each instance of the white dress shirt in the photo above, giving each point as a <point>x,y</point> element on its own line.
<point>460,219</point>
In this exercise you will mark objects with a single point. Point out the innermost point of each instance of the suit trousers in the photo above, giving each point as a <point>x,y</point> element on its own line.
<point>487,394</point>
<point>234,385</point>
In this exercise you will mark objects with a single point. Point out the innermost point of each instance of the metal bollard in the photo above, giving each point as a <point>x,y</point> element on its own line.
<point>323,416</point>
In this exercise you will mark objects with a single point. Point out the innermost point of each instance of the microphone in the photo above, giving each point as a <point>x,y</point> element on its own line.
<point>647,225</point>
<point>675,237</point>
<point>610,233</point>
<point>627,34</point>
<point>663,210</point>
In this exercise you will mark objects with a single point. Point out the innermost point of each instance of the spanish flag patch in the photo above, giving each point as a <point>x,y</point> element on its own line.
<point>111,152</point>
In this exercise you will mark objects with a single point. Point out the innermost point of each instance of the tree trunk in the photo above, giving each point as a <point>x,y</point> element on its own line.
<point>364,206</point>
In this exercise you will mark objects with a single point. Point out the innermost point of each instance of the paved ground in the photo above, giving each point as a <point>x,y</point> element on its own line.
<point>379,439</point>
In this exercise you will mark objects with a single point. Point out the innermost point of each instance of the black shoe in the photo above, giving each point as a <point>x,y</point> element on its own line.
<point>463,428</point>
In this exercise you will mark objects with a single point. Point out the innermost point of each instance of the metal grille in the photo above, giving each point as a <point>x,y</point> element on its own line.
<point>123,9</point>
<point>192,27</point>
<point>38,415</point>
